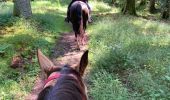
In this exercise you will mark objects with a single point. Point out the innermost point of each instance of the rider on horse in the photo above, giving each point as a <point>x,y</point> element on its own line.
<point>68,11</point>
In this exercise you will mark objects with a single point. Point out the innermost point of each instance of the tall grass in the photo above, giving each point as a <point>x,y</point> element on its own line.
<point>136,51</point>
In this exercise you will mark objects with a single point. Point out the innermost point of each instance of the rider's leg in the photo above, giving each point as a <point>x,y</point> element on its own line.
<point>68,11</point>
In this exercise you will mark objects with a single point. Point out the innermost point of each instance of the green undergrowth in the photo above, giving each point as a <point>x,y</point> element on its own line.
<point>133,60</point>
<point>129,56</point>
<point>20,37</point>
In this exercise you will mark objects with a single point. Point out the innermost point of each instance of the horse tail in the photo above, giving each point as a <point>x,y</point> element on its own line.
<point>79,12</point>
<point>77,19</point>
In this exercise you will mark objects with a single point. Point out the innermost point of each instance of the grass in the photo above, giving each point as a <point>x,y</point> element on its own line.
<point>105,86</point>
<point>22,37</point>
<point>134,52</point>
<point>131,64</point>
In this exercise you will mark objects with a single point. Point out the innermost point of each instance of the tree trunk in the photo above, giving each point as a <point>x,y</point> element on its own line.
<point>152,8</point>
<point>22,8</point>
<point>129,7</point>
<point>166,10</point>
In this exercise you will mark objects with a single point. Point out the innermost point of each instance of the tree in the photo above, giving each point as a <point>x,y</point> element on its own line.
<point>22,8</point>
<point>152,8</point>
<point>129,7</point>
<point>166,9</point>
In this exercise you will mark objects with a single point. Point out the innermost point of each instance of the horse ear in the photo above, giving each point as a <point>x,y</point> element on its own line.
<point>45,63</point>
<point>83,63</point>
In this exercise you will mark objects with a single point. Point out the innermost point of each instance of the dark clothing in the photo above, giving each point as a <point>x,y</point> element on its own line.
<point>85,1</point>
<point>68,11</point>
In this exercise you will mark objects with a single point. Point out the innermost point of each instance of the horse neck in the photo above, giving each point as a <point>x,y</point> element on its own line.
<point>68,85</point>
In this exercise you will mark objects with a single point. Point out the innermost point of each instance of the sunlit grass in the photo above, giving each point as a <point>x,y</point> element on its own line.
<point>5,7</point>
<point>41,31</point>
<point>127,45</point>
<point>131,64</point>
<point>101,7</point>
<point>106,87</point>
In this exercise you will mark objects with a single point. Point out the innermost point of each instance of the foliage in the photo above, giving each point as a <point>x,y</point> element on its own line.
<point>22,37</point>
<point>142,82</point>
<point>108,85</point>
<point>131,64</point>
<point>135,50</point>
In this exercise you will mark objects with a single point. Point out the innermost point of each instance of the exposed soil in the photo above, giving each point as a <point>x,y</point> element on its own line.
<point>64,52</point>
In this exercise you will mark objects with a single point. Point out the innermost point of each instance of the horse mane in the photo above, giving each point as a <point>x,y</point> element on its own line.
<point>66,88</point>
<point>79,12</point>
<point>43,94</point>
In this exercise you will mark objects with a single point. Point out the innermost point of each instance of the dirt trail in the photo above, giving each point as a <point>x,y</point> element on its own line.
<point>63,53</point>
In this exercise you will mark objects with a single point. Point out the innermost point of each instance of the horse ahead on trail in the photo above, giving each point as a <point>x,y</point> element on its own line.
<point>63,83</point>
<point>78,16</point>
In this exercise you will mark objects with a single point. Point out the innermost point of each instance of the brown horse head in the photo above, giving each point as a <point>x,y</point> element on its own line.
<point>62,83</point>
<point>79,14</point>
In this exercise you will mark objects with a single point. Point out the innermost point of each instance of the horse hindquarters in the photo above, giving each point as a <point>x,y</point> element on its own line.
<point>77,22</point>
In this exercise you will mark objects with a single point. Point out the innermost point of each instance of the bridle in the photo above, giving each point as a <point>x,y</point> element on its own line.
<point>68,71</point>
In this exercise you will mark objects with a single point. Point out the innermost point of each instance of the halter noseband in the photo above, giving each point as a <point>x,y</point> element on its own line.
<point>55,76</point>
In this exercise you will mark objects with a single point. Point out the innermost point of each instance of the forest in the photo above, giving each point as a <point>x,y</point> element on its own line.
<point>128,43</point>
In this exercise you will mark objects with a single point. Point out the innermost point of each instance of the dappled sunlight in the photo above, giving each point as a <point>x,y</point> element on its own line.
<point>43,6</point>
<point>128,56</point>
<point>22,37</point>
<point>127,45</point>
<point>139,22</point>
<point>151,27</point>
<point>99,6</point>
<point>6,8</point>
<point>163,40</point>
<point>52,22</point>
<point>102,8</point>
<point>19,95</point>
<point>39,4</point>
<point>63,9</point>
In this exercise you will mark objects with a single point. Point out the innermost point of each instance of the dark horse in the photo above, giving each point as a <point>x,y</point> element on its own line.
<point>79,14</point>
<point>63,83</point>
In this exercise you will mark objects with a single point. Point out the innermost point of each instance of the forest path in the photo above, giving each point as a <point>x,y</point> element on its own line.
<point>64,52</point>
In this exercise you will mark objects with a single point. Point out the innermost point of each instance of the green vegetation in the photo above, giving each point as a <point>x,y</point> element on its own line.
<point>131,64</point>
<point>133,59</point>
<point>22,37</point>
